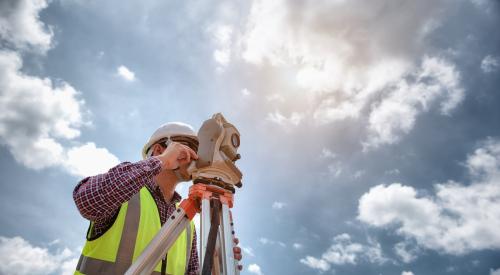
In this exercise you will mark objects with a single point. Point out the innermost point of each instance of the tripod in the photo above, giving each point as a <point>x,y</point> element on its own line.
<point>216,250</point>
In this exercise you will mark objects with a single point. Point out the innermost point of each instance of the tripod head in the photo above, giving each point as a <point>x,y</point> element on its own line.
<point>218,146</point>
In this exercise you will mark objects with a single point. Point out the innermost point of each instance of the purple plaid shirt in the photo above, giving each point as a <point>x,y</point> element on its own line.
<point>100,197</point>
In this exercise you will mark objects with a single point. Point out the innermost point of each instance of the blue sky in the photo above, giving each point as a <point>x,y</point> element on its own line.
<point>370,129</point>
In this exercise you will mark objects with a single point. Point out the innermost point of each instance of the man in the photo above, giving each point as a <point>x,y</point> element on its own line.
<point>127,206</point>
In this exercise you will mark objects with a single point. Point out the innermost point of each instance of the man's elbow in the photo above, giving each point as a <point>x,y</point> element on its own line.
<point>82,202</point>
<point>88,216</point>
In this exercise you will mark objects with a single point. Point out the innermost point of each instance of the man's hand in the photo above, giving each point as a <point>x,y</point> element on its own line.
<point>237,253</point>
<point>176,155</point>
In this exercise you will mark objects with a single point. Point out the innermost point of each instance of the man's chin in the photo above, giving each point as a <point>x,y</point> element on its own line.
<point>184,179</point>
<point>182,176</point>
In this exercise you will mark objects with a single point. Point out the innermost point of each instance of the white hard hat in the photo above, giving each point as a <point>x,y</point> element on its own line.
<point>168,130</point>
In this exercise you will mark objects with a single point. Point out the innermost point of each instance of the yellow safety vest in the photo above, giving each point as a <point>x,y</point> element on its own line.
<point>137,223</point>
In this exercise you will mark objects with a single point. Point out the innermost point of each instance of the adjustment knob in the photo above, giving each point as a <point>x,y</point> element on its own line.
<point>237,157</point>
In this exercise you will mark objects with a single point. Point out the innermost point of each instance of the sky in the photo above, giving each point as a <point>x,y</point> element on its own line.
<point>370,130</point>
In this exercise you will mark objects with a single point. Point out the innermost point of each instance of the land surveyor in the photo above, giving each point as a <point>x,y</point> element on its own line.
<point>128,205</point>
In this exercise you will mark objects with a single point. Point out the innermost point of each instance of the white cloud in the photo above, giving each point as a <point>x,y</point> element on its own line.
<point>344,251</point>
<point>54,242</point>
<point>495,272</point>
<point>278,205</point>
<point>379,83</point>
<point>314,263</point>
<point>405,252</point>
<point>248,251</point>
<point>222,56</point>
<point>246,92</point>
<point>39,116</point>
<point>125,73</point>
<point>327,154</point>
<point>259,39</point>
<point>297,246</point>
<point>88,160</point>
<point>358,174</point>
<point>407,273</point>
<point>373,252</point>
<point>394,116</point>
<point>26,97</point>
<point>393,172</point>
<point>35,113</point>
<point>334,169</point>
<point>222,39</point>
<point>19,257</point>
<point>263,240</point>
<point>490,64</point>
<point>330,110</point>
<point>485,161</point>
<point>483,4</point>
<point>457,220</point>
<point>266,241</point>
<point>278,118</point>
<point>275,98</point>
<point>20,25</point>
<point>330,55</point>
<point>255,269</point>
<point>68,267</point>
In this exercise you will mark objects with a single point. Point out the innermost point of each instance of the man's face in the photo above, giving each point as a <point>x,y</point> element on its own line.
<point>182,173</point>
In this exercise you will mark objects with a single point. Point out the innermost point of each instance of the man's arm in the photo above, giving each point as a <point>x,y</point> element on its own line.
<point>99,197</point>
<point>193,264</point>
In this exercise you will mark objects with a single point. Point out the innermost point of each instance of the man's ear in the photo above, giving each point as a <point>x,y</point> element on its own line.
<point>157,149</point>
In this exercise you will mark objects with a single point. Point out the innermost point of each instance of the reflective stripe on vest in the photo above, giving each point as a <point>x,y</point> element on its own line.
<point>137,223</point>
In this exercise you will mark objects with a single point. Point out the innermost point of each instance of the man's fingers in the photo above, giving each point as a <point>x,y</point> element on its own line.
<point>189,152</point>
<point>179,154</point>
<point>188,155</point>
<point>192,153</point>
<point>184,154</point>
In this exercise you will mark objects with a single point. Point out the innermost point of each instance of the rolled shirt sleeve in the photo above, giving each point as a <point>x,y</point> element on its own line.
<point>100,196</point>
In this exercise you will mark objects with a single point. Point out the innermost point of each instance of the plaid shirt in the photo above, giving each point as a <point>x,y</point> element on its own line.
<point>100,197</point>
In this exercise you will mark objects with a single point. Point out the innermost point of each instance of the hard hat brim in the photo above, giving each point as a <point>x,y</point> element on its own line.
<point>148,145</point>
